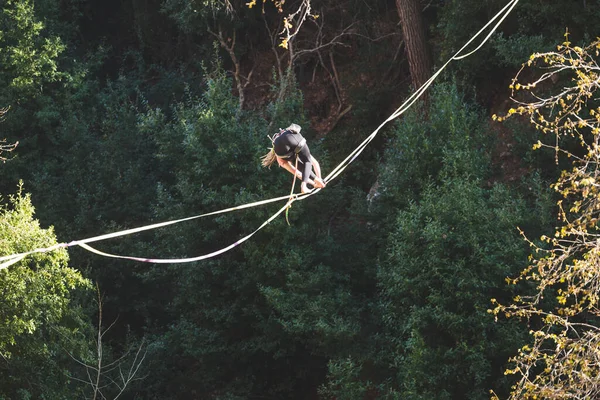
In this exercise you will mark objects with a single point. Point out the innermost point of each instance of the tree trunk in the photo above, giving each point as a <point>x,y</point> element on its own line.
<point>415,40</point>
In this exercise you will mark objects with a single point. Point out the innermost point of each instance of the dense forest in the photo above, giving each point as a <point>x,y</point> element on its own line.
<point>393,282</point>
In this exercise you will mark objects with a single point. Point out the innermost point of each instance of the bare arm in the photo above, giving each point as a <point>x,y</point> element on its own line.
<point>292,170</point>
<point>319,183</point>
<point>316,167</point>
<point>289,167</point>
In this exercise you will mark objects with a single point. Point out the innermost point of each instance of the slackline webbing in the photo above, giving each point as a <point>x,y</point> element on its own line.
<point>13,258</point>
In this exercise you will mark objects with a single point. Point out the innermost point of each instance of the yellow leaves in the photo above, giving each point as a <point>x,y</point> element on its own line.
<point>251,4</point>
<point>566,42</point>
<point>287,24</point>
<point>562,103</point>
<point>565,264</point>
<point>498,118</point>
<point>279,4</point>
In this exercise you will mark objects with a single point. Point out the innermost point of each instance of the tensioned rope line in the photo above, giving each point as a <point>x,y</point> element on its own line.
<point>11,259</point>
<point>500,16</point>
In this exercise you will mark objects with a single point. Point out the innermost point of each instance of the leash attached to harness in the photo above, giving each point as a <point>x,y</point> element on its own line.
<point>291,200</point>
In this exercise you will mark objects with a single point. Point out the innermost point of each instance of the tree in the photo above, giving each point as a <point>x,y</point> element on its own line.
<point>415,40</point>
<point>39,317</point>
<point>27,58</point>
<point>445,254</point>
<point>210,320</point>
<point>4,147</point>
<point>557,91</point>
<point>533,27</point>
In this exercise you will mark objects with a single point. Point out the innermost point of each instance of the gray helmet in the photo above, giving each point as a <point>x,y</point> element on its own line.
<point>294,127</point>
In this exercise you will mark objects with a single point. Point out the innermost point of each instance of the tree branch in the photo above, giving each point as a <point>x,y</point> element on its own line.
<point>236,63</point>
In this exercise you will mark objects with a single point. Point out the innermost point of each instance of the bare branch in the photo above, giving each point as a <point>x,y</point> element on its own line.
<point>294,21</point>
<point>229,46</point>
<point>333,42</point>
<point>99,376</point>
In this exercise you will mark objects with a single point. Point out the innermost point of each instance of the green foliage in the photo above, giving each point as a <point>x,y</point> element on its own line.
<point>215,324</point>
<point>205,147</point>
<point>36,289</point>
<point>551,18</point>
<point>27,57</point>
<point>451,246</point>
<point>38,315</point>
<point>381,299</point>
<point>268,302</point>
<point>452,142</point>
<point>191,16</point>
<point>62,19</point>
<point>92,126</point>
<point>512,50</point>
<point>288,103</point>
<point>532,23</point>
<point>343,381</point>
<point>447,257</point>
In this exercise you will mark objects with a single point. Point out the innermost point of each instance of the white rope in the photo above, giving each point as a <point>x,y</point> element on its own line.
<point>13,258</point>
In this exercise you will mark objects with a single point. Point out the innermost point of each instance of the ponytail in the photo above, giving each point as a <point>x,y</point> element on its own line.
<point>268,159</point>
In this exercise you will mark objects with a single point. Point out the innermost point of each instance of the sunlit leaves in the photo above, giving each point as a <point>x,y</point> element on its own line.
<point>35,291</point>
<point>559,96</point>
<point>27,58</point>
<point>293,21</point>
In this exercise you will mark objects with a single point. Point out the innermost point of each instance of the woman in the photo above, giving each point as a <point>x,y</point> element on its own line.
<point>290,150</point>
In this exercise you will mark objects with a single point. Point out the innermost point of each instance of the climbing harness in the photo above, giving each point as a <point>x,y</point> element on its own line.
<point>294,151</point>
<point>297,150</point>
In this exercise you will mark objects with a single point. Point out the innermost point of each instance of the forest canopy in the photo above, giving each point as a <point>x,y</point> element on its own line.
<point>453,259</point>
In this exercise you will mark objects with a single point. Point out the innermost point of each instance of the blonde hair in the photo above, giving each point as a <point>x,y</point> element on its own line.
<point>268,159</point>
